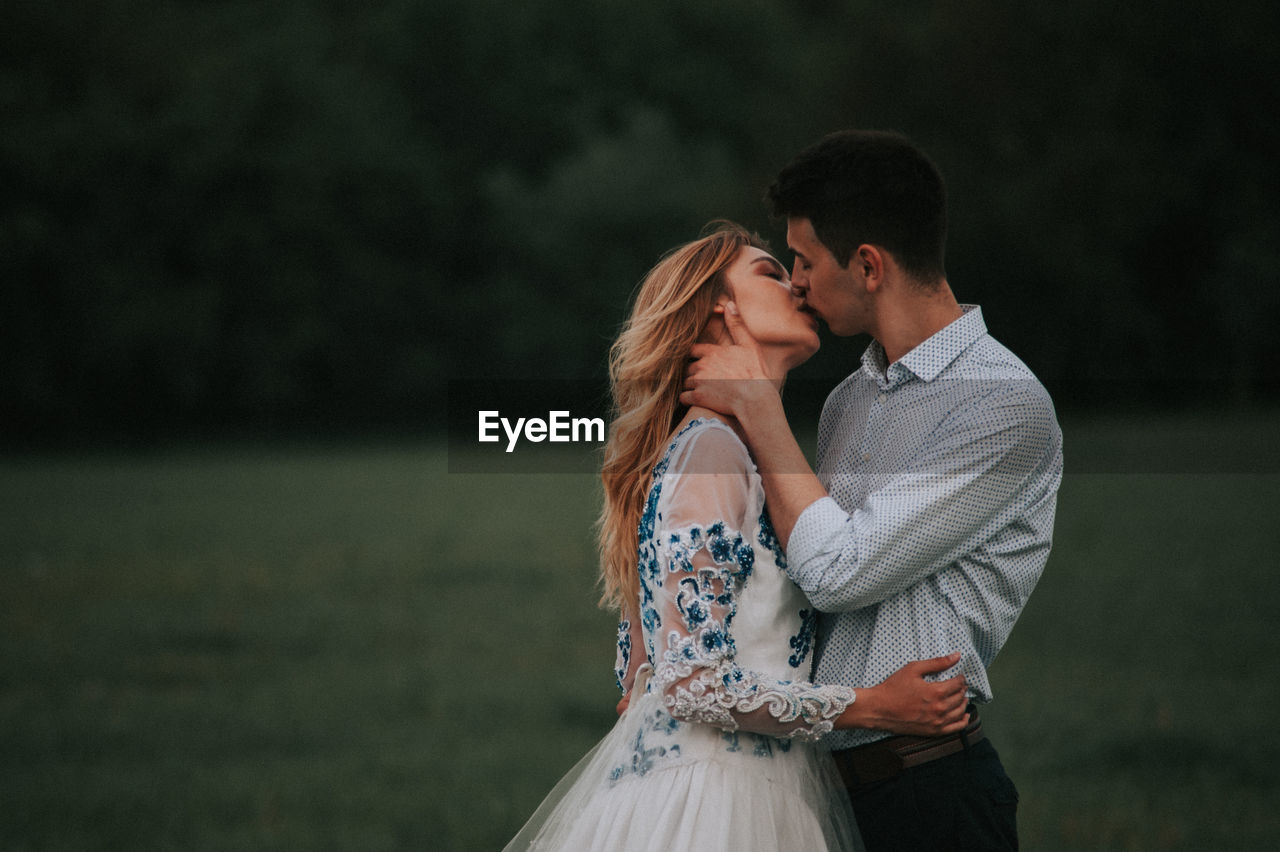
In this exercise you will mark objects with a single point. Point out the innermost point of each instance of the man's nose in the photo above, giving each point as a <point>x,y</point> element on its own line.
<point>798,281</point>
<point>799,286</point>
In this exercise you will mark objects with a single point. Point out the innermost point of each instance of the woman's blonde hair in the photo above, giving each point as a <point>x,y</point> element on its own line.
<point>646,371</point>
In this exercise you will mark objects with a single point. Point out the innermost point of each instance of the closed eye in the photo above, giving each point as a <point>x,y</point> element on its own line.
<point>767,266</point>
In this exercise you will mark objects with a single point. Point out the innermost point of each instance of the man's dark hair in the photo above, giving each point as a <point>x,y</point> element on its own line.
<point>867,186</point>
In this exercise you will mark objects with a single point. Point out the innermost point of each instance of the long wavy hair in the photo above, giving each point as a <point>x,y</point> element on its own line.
<point>647,362</point>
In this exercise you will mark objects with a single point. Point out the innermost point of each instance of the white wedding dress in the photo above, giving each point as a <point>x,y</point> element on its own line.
<point>714,751</point>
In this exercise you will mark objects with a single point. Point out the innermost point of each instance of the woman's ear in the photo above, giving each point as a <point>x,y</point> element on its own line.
<point>715,330</point>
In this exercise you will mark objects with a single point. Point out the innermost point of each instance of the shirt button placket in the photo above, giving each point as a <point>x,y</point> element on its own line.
<point>874,417</point>
<point>864,445</point>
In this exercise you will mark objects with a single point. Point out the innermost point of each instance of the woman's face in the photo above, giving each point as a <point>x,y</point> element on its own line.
<point>760,287</point>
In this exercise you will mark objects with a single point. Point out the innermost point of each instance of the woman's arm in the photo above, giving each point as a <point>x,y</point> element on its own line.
<point>692,572</point>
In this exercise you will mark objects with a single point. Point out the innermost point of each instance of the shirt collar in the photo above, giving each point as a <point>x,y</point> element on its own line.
<point>927,361</point>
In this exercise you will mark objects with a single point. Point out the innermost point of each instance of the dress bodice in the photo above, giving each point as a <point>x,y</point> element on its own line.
<point>727,634</point>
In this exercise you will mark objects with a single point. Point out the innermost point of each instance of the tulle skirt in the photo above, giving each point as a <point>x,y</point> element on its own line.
<point>652,785</point>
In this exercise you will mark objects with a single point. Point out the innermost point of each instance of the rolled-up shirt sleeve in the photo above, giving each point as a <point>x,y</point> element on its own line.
<point>994,463</point>
<point>817,540</point>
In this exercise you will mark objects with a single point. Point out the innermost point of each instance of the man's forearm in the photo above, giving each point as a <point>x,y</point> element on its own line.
<point>790,485</point>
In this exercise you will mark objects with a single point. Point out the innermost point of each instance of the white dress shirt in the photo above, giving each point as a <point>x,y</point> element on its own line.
<point>943,470</point>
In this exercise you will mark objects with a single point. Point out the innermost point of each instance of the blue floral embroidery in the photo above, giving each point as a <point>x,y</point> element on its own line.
<point>768,538</point>
<point>642,758</point>
<point>624,652</point>
<point>650,619</point>
<point>762,745</point>
<point>731,737</point>
<point>717,544</point>
<point>693,608</point>
<point>714,641</point>
<point>802,642</point>
<point>664,723</point>
<point>765,745</point>
<point>703,597</point>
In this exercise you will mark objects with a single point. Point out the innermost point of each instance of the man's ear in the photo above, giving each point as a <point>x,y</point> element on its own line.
<point>869,262</point>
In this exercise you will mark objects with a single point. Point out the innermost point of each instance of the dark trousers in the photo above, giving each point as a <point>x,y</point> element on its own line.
<point>963,802</point>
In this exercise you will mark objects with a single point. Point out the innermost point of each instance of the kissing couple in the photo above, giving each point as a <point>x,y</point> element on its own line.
<point>802,655</point>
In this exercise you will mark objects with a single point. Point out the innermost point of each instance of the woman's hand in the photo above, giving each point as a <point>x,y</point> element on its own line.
<point>906,703</point>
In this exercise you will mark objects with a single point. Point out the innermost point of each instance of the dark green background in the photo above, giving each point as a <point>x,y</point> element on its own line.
<point>319,223</point>
<point>310,216</point>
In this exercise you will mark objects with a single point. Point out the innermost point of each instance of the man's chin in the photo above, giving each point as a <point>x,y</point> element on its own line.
<point>819,321</point>
<point>841,331</point>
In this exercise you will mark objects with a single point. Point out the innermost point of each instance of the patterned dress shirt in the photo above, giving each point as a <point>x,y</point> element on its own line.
<point>943,471</point>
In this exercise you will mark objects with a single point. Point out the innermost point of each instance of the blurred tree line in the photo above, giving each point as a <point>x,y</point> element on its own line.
<point>314,214</point>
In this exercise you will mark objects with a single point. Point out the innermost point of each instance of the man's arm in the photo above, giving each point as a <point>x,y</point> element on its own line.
<point>732,379</point>
<point>790,485</point>
<point>984,474</point>
<point>977,479</point>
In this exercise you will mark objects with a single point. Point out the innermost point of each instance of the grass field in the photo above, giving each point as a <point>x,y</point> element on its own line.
<point>351,648</point>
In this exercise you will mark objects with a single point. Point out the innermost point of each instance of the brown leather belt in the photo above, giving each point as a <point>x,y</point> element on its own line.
<point>887,758</point>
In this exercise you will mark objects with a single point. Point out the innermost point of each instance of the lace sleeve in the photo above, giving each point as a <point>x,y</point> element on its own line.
<point>701,560</point>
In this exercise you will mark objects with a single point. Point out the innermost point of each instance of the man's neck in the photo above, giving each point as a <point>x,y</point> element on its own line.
<point>905,323</point>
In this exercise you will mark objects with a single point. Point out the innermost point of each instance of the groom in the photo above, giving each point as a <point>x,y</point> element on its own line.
<point>931,516</point>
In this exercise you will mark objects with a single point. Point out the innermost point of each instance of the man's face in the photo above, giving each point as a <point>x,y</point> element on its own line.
<point>828,290</point>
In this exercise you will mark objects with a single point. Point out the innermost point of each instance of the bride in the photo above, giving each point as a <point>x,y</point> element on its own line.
<point>714,746</point>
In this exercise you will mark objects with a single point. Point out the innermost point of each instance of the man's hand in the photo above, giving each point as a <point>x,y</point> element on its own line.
<point>728,377</point>
<point>733,379</point>
<point>906,703</point>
